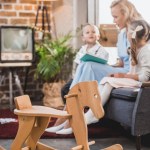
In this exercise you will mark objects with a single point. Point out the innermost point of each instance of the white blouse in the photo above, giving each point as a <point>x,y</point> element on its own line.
<point>96,50</point>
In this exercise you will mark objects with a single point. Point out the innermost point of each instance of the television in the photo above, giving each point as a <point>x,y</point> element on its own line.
<point>16,44</point>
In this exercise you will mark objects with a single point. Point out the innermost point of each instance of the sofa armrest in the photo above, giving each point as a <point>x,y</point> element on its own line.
<point>146,84</point>
<point>141,112</point>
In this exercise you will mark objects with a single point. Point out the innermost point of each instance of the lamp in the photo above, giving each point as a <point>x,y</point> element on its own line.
<point>44,10</point>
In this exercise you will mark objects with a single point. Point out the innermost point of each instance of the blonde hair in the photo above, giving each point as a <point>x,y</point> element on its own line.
<point>127,9</point>
<point>92,25</point>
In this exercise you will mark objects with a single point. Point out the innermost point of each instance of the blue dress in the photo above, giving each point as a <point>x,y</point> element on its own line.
<point>88,71</point>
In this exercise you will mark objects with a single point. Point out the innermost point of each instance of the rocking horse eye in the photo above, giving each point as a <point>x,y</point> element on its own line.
<point>95,95</point>
<point>79,90</point>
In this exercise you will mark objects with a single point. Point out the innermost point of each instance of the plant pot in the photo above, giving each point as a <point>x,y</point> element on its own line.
<point>52,95</point>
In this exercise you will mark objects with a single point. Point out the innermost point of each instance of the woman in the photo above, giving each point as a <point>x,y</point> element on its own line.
<point>123,13</point>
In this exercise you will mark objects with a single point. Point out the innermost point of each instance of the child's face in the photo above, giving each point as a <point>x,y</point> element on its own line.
<point>90,34</point>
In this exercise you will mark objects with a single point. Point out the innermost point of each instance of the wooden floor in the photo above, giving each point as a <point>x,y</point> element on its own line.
<point>66,144</point>
<point>128,143</point>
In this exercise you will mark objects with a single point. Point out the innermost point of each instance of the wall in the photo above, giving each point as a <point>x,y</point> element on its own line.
<point>17,12</point>
<point>23,13</point>
<point>64,15</point>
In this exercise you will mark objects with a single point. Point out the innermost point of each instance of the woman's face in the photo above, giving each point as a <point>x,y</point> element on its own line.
<point>119,18</point>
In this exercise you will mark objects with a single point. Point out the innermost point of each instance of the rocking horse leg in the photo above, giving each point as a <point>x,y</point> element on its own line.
<point>40,125</point>
<point>81,135</point>
<point>78,125</point>
<point>25,127</point>
<point>114,147</point>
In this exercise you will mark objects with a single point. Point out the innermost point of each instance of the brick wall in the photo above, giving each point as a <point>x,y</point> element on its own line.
<point>22,13</point>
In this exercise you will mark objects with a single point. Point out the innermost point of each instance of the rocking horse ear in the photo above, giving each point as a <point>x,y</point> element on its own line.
<point>23,102</point>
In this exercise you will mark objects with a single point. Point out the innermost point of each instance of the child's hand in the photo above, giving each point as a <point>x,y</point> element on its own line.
<point>117,75</point>
<point>111,75</point>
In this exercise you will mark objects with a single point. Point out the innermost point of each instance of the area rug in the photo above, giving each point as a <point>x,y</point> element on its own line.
<point>103,129</point>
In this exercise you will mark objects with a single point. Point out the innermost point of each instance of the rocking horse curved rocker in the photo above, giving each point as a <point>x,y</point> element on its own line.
<point>33,120</point>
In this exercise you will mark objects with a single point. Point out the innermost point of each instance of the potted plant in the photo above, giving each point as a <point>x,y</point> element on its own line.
<point>54,57</point>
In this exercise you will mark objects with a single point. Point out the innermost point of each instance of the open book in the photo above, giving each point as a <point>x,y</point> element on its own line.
<point>95,58</point>
<point>100,56</point>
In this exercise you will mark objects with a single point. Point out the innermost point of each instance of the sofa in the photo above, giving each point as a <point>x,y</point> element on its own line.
<point>131,108</point>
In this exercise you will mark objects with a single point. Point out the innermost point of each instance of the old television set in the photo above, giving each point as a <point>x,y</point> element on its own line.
<point>16,44</point>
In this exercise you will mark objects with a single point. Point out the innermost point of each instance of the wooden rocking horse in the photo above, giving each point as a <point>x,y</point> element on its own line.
<point>33,120</point>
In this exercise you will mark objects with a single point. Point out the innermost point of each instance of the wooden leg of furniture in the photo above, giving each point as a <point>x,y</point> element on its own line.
<point>41,146</point>
<point>138,142</point>
<point>79,126</point>
<point>40,125</point>
<point>25,127</point>
<point>114,147</point>
<point>80,133</point>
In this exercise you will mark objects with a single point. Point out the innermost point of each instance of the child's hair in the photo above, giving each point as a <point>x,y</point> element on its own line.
<point>92,25</point>
<point>139,29</point>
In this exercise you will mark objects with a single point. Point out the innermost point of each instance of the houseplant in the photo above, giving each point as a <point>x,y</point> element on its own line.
<point>54,65</point>
<point>53,55</point>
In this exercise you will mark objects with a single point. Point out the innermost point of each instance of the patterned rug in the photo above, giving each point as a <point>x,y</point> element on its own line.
<point>103,129</point>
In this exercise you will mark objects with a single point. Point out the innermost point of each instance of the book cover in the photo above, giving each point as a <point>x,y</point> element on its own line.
<point>88,57</point>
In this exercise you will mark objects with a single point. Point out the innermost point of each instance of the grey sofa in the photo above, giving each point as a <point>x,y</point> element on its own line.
<point>131,108</point>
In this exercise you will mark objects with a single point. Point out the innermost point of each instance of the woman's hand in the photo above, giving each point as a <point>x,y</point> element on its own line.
<point>119,63</point>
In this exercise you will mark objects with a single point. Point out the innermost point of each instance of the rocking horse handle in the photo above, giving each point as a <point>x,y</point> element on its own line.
<point>71,95</point>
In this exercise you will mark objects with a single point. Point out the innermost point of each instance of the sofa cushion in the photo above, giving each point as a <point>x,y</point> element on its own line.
<point>128,94</point>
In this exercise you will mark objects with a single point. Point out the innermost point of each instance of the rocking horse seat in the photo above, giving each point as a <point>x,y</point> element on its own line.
<point>42,111</point>
<point>24,108</point>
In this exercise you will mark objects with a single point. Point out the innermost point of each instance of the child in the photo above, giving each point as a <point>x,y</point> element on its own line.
<point>139,36</point>
<point>90,37</point>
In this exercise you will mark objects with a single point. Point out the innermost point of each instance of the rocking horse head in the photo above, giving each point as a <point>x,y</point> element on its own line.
<point>87,94</point>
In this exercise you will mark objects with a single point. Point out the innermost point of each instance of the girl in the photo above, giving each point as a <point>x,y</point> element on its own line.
<point>90,36</point>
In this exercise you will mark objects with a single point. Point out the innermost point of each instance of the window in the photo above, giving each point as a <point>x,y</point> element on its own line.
<point>104,17</point>
<point>105,13</point>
